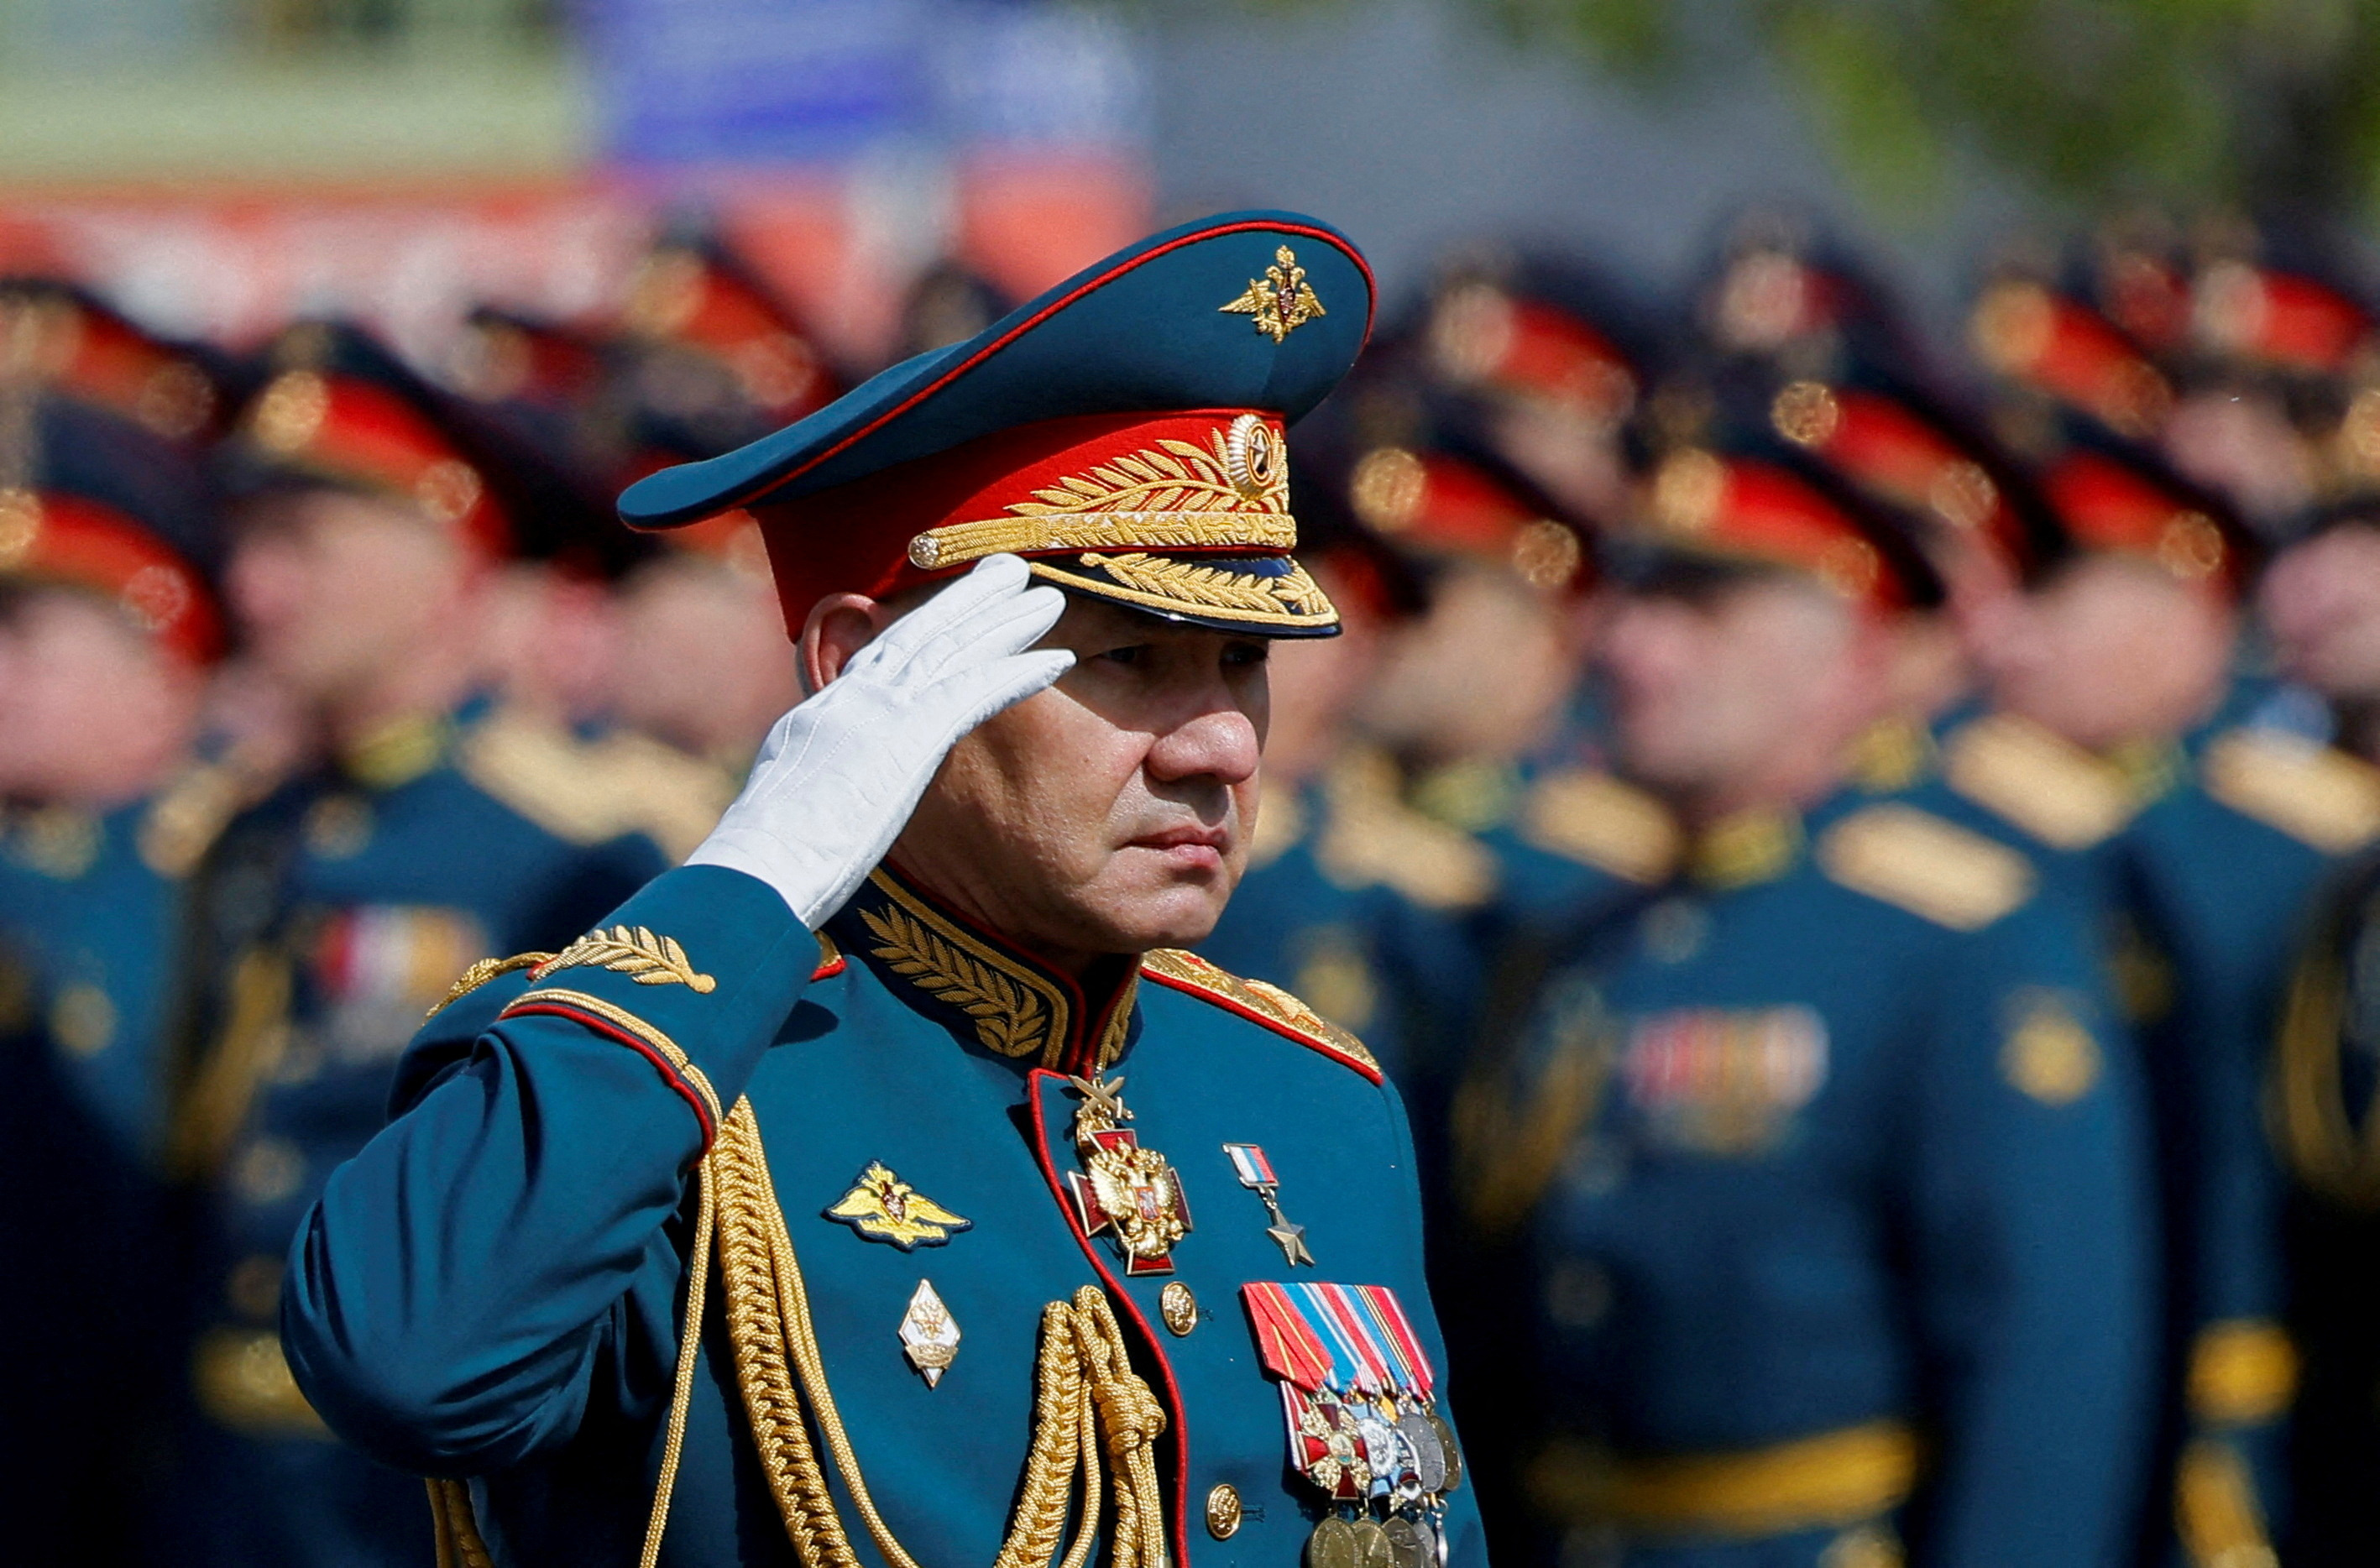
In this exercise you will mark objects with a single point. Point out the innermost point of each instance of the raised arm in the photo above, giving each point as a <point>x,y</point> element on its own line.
<point>511,1236</point>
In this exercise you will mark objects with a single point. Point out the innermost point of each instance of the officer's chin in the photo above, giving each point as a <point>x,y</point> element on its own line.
<point>1167,896</point>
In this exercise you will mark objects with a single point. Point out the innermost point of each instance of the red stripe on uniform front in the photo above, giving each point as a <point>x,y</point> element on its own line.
<point>1179,1427</point>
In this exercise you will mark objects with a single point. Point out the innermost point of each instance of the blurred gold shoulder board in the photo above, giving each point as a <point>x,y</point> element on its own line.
<point>1374,838</point>
<point>2042,782</point>
<point>1268,1003</point>
<point>2314,793</point>
<point>539,771</point>
<point>1916,861</point>
<point>1594,818</point>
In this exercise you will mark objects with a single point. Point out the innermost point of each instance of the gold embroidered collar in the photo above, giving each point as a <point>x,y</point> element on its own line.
<point>1011,1004</point>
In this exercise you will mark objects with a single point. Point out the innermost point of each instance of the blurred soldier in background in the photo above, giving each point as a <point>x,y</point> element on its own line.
<point>1819,1146</point>
<point>109,617</point>
<point>330,915</point>
<point>2122,732</point>
<point>1350,895</point>
<point>2321,599</point>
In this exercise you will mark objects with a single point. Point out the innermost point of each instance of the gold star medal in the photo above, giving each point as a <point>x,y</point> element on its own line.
<point>1123,1189</point>
<point>1248,1162</point>
<point>882,1207</point>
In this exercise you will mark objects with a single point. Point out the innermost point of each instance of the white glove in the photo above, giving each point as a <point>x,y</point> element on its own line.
<point>839,774</point>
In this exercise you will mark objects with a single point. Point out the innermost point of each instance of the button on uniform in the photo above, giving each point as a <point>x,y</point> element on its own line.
<point>1223,1511</point>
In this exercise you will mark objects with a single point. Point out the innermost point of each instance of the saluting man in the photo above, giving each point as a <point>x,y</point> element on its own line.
<point>886,1185</point>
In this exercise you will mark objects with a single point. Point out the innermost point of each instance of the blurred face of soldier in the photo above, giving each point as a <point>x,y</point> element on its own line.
<point>2321,600</point>
<point>552,639</point>
<point>1316,682</point>
<point>1108,814</point>
<point>702,656</point>
<point>1740,693</point>
<point>93,712</point>
<point>1431,698</point>
<point>2111,650</point>
<point>343,597</point>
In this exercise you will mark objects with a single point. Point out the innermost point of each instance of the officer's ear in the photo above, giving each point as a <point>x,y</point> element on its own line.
<point>838,626</point>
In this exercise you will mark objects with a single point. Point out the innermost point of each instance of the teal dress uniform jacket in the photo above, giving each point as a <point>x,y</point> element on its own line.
<point>2203,859</point>
<point>89,924</point>
<point>494,1287</point>
<point>330,915</point>
<point>1839,1225</point>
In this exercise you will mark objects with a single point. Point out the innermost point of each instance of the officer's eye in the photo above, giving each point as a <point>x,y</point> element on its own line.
<point>1131,653</point>
<point>1255,650</point>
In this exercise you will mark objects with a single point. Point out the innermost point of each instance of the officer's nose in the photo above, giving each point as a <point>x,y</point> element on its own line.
<point>1220,743</point>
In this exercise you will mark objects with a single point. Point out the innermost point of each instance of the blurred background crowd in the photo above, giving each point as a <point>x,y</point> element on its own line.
<point>2045,336</point>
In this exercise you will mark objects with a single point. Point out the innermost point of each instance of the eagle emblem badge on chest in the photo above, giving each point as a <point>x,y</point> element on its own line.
<point>1122,1188</point>
<point>882,1207</point>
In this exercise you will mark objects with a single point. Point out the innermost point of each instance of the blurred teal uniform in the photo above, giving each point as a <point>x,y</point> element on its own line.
<point>89,924</point>
<point>1358,902</point>
<point>2205,856</point>
<point>111,521</point>
<point>893,1243</point>
<point>2327,1080</point>
<point>336,913</point>
<point>1832,1195</point>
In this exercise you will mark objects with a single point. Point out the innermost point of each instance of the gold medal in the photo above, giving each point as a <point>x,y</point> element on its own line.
<point>1372,1548</point>
<point>1407,1546</point>
<point>1333,1545</point>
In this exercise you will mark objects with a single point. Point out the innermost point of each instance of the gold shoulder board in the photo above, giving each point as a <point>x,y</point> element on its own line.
<point>1373,837</point>
<point>2042,782</point>
<point>2314,792</point>
<point>1594,818</point>
<point>1916,861</point>
<point>543,772</point>
<point>1267,1004</point>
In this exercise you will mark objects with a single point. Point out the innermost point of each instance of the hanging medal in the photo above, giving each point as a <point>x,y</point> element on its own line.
<point>1122,1188</point>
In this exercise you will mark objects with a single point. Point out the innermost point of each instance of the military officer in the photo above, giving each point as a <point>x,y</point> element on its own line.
<point>330,915</point>
<point>109,622</point>
<point>2121,733</point>
<point>886,1183</point>
<point>2318,602</point>
<point>1827,1184</point>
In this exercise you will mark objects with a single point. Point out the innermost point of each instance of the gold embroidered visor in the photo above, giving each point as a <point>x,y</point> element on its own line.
<point>1181,515</point>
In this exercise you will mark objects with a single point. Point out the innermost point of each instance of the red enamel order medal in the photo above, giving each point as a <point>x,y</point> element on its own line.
<point>1122,1188</point>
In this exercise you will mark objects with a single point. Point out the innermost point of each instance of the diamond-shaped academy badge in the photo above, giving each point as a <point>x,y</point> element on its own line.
<point>930,1334</point>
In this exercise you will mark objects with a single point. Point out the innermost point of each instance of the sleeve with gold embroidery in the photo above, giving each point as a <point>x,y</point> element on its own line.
<point>506,1251</point>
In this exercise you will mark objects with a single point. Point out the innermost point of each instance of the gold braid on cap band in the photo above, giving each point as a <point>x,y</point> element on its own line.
<point>1233,493</point>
